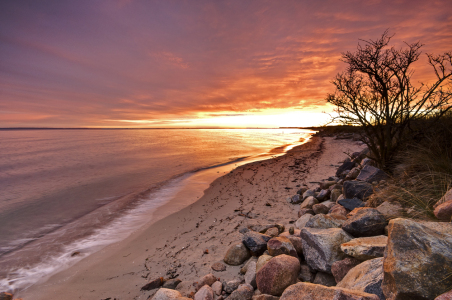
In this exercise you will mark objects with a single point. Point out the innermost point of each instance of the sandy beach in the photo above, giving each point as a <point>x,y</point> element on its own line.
<point>185,243</point>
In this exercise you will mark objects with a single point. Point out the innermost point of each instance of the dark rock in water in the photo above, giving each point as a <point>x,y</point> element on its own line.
<point>231,285</point>
<point>371,174</point>
<point>219,267</point>
<point>281,245</point>
<point>351,204</point>
<point>320,209</point>
<point>365,221</point>
<point>365,277</point>
<point>324,279</point>
<point>256,242</point>
<point>237,254</point>
<point>306,273</point>
<point>310,291</point>
<point>171,283</point>
<point>323,195</point>
<point>6,296</point>
<point>276,275</point>
<point>348,165</point>
<point>340,268</point>
<point>418,259</point>
<point>243,292</point>
<point>321,247</point>
<point>156,283</point>
<point>357,189</point>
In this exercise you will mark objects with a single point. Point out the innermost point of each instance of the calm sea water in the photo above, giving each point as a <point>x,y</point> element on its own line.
<point>63,191</point>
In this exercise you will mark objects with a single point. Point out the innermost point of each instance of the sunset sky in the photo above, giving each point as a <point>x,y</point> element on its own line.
<point>143,63</point>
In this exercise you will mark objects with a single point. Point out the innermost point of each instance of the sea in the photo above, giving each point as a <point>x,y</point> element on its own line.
<point>67,193</point>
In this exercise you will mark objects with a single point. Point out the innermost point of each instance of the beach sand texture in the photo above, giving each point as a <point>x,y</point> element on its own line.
<point>176,245</point>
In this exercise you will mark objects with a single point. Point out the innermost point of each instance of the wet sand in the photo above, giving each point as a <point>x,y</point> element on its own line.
<point>176,244</point>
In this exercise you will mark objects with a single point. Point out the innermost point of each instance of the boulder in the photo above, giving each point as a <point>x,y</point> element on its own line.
<point>262,228</point>
<point>357,189</point>
<point>208,279</point>
<point>153,284</point>
<point>237,254</point>
<point>321,247</point>
<point>338,210</point>
<point>262,260</point>
<point>264,297</point>
<point>256,242</point>
<point>245,266</point>
<point>243,292</point>
<point>232,285</point>
<point>320,208</point>
<point>447,197</point>
<point>365,277</point>
<point>324,279</point>
<point>367,162</point>
<point>302,190</point>
<point>352,174</point>
<point>371,174</point>
<point>310,291</point>
<point>217,288</point>
<point>301,222</point>
<point>326,184</point>
<point>366,248</point>
<point>250,275</point>
<point>272,232</point>
<point>445,296</point>
<point>346,166</point>
<point>295,240</point>
<point>328,204</point>
<point>281,245</point>
<point>218,266</point>
<point>309,202</point>
<point>305,211</point>
<point>351,204</point>
<point>444,211</point>
<point>308,193</point>
<point>171,283</point>
<point>204,293</point>
<point>306,273</point>
<point>335,194</point>
<point>296,199</point>
<point>323,195</point>
<point>340,268</point>
<point>390,210</point>
<point>167,294</point>
<point>418,260</point>
<point>365,221</point>
<point>280,272</point>
<point>325,221</point>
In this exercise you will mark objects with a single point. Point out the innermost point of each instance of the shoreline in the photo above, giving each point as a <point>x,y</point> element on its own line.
<point>173,244</point>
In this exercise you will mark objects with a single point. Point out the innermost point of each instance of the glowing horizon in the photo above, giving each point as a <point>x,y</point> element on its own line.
<point>132,63</point>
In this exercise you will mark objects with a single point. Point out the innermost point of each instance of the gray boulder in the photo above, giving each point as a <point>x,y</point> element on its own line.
<point>296,199</point>
<point>217,288</point>
<point>320,208</point>
<point>301,222</point>
<point>323,195</point>
<point>308,193</point>
<point>365,222</point>
<point>232,285</point>
<point>204,293</point>
<point>321,247</point>
<point>250,275</point>
<point>237,254</point>
<point>305,211</point>
<point>310,291</point>
<point>346,166</point>
<point>276,275</point>
<point>256,242</point>
<point>390,210</point>
<point>418,259</point>
<point>365,277</point>
<point>351,204</point>
<point>308,202</point>
<point>243,292</point>
<point>371,174</point>
<point>281,245</point>
<point>357,189</point>
<point>171,283</point>
<point>366,248</point>
<point>335,194</point>
<point>262,260</point>
<point>325,221</point>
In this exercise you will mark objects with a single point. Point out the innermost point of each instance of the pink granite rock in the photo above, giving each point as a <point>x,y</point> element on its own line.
<point>276,275</point>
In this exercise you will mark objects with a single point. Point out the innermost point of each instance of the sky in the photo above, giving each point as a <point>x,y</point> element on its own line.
<point>193,63</point>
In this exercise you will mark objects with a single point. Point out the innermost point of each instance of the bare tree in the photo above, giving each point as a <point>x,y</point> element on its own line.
<point>376,92</point>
